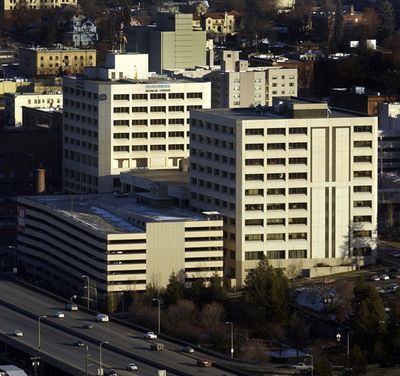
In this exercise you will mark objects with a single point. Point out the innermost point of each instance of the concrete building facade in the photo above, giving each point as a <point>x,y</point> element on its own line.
<point>6,5</point>
<point>118,243</point>
<point>112,126</point>
<point>40,61</point>
<point>297,184</point>
<point>14,103</point>
<point>172,44</point>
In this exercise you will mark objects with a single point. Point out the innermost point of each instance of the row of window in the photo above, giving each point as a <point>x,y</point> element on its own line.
<point>173,121</point>
<point>276,255</point>
<point>298,191</point>
<point>276,146</point>
<point>81,158</point>
<point>126,148</point>
<point>80,176</point>
<point>151,134</point>
<point>215,127</point>
<point>126,97</point>
<point>216,142</point>
<point>281,236</point>
<point>83,144</point>
<point>279,176</point>
<point>214,201</point>
<point>80,131</point>
<point>80,118</point>
<point>146,109</point>
<point>274,206</point>
<point>275,161</point>
<point>275,221</point>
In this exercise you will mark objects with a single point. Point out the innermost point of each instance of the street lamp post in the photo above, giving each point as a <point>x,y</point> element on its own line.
<point>86,360</point>
<point>232,348</point>
<point>312,364</point>
<point>338,338</point>
<point>101,359</point>
<point>39,318</point>
<point>88,288</point>
<point>158,314</point>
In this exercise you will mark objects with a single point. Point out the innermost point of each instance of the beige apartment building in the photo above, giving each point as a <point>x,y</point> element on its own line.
<point>114,125</point>
<point>238,85</point>
<point>41,61</point>
<point>120,244</point>
<point>296,183</point>
<point>14,103</point>
<point>6,5</point>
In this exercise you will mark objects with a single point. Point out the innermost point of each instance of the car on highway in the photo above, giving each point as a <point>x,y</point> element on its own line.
<point>150,335</point>
<point>88,325</point>
<point>157,346</point>
<point>102,317</point>
<point>384,277</point>
<point>395,254</point>
<point>18,333</point>
<point>59,315</point>
<point>301,366</point>
<point>71,307</point>
<point>375,278</point>
<point>78,342</point>
<point>112,373</point>
<point>188,349</point>
<point>131,367</point>
<point>204,363</point>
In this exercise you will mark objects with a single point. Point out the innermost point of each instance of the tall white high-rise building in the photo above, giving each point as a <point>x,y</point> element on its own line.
<point>296,183</point>
<point>115,119</point>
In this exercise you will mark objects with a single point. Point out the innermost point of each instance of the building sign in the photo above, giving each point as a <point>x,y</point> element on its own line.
<point>157,87</point>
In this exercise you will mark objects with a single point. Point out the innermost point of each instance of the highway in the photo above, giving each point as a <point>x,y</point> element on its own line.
<point>127,344</point>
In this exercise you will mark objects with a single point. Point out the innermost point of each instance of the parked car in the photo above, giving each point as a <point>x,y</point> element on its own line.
<point>188,349</point>
<point>131,367</point>
<point>18,333</point>
<point>157,346</point>
<point>71,307</point>
<point>384,277</point>
<point>59,315</point>
<point>301,366</point>
<point>375,278</point>
<point>150,335</point>
<point>204,363</point>
<point>78,342</point>
<point>88,325</point>
<point>102,317</point>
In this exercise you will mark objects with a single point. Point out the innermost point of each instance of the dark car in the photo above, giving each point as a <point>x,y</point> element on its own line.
<point>88,325</point>
<point>204,363</point>
<point>78,342</point>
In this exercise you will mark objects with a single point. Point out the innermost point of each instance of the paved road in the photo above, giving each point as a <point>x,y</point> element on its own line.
<point>121,337</point>
<point>59,345</point>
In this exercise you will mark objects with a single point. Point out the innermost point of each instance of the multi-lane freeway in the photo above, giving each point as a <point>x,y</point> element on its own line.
<point>20,307</point>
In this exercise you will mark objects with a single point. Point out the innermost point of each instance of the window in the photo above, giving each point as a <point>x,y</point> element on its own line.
<point>176,134</point>
<point>362,188</point>
<point>157,134</point>
<point>121,148</point>
<point>254,255</point>
<point>276,191</point>
<point>157,96</point>
<point>139,96</point>
<point>254,222</point>
<point>362,234</point>
<point>158,109</point>
<point>254,132</point>
<point>254,237</point>
<point>298,175</point>
<point>139,135</point>
<point>157,147</point>
<point>157,122</point>
<point>362,218</point>
<point>275,255</point>
<point>254,207</point>
<point>176,121</point>
<point>139,148</point>
<point>275,176</point>
<point>297,221</point>
<point>194,95</point>
<point>176,96</point>
<point>363,144</point>
<point>121,97</point>
<point>362,251</point>
<point>121,110</point>
<point>298,235</point>
<point>254,192</point>
<point>254,162</point>
<point>120,135</point>
<point>176,108</point>
<point>298,145</point>
<point>176,147</point>
<point>298,161</point>
<point>280,146</point>
<point>276,161</point>
<point>139,109</point>
<point>297,191</point>
<point>363,158</point>
<point>362,174</point>
<point>297,253</point>
<point>272,131</point>
<point>276,221</point>
<point>363,204</point>
<point>254,147</point>
<point>363,128</point>
<point>298,205</point>
<point>139,122</point>
<point>275,236</point>
<point>121,122</point>
<point>275,206</point>
<point>254,177</point>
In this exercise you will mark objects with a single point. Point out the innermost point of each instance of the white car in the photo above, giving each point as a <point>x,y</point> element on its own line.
<point>131,367</point>
<point>59,315</point>
<point>18,333</point>
<point>150,335</point>
<point>395,254</point>
<point>375,278</point>
<point>301,366</point>
<point>385,277</point>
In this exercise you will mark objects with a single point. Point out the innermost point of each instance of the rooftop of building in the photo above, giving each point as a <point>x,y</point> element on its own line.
<point>113,213</point>
<point>27,94</point>
<point>167,176</point>
<point>159,81</point>
<point>56,48</point>
<point>284,108</point>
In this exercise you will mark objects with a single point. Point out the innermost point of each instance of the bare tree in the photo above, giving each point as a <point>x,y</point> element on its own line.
<point>390,214</point>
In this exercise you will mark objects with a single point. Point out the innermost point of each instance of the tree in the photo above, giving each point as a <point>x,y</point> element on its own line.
<point>216,291</point>
<point>358,361</point>
<point>267,296</point>
<point>342,307</point>
<point>174,290</point>
<point>299,20</point>
<point>322,367</point>
<point>212,320</point>
<point>258,16</point>
<point>299,333</point>
<point>387,21</point>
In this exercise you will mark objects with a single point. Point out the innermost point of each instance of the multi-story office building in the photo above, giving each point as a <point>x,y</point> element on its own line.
<point>41,61</point>
<point>118,243</point>
<point>296,183</point>
<point>6,5</point>
<point>112,126</point>
<point>238,85</point>
<point>14,102</point>
<point>172,44</point>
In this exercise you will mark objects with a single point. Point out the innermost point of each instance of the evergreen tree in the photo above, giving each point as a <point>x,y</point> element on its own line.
<point>387,19</point>
<point>358,361</point>
<point>174,290</point>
